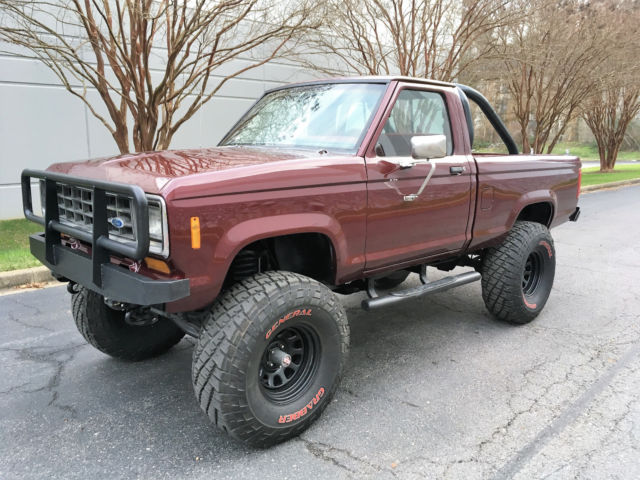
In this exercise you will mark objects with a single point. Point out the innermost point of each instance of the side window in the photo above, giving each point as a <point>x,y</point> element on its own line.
<point>416,112</point>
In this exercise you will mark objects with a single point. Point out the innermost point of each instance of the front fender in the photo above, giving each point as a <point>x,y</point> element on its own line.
<point>249,231</point>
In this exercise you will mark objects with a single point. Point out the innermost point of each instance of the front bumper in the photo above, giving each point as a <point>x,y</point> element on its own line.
<point>95,271</point>
<point>117,283</point>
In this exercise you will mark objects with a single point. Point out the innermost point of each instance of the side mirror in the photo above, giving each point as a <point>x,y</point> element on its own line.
<point>428,146</point>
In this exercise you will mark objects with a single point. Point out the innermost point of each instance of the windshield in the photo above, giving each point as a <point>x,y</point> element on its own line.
<point>325,116</point>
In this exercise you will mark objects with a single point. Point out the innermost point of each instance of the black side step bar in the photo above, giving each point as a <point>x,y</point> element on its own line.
<point>426,289</point>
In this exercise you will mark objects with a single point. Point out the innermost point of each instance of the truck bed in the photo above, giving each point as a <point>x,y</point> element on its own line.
<point>508,183</point>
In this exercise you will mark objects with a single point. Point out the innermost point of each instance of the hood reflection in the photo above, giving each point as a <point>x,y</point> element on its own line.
<point>178,163</point>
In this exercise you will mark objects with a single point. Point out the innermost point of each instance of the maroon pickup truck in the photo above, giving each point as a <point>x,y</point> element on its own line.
<point>340,186</point>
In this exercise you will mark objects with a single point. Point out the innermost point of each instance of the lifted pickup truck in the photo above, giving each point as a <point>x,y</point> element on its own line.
<point>339,186</point>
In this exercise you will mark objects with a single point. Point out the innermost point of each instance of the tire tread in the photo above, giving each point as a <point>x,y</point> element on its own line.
<point>502,272</point>
<point>227,336</point>
<point>104,330</point>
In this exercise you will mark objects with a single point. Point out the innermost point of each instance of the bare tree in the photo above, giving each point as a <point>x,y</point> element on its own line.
<point>615,101</point>
<point>548,65</point>
<point>113,46</point>
<point>608,116</point>
<point>419,38</point>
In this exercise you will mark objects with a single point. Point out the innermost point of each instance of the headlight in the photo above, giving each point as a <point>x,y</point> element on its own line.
<point>158,227</point>
<point>43,200</point>
<point>155,222</point>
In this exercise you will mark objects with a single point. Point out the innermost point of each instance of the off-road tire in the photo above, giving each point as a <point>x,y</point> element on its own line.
<point>106,330</point>
<point>512,289</point>
<point>229,358</point>
<point>392,280</point>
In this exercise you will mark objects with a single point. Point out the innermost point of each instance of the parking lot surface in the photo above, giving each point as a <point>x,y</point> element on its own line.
<point>434,387</point>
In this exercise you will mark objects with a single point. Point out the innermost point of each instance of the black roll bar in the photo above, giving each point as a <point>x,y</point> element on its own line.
<point>492,116</point>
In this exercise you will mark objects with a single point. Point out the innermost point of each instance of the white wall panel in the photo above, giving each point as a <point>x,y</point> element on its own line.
<point>17,69</point>
<point>219,115</point>
<point>41,123</point>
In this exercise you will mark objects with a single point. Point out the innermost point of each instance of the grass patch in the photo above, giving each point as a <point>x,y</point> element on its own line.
<point>589,153</point>
<point>592,175</point>
<point>14,244</point>
<point>586,152</point>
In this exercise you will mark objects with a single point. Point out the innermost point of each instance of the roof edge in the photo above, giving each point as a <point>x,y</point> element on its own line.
<point>382,79</point>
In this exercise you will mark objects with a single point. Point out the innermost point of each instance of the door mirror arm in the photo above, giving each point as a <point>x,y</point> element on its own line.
<point>404,163</point>
<point>414,196</point>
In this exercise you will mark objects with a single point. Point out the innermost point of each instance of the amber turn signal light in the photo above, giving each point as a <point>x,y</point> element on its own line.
<point>195,232</point>
<point>157,265</point>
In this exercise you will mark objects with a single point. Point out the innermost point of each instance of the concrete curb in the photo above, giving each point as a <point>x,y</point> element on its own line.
<point>25,276</point>
<point>604,186</point>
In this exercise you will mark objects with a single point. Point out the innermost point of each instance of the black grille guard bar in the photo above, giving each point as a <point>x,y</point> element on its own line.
<point>102,245</point>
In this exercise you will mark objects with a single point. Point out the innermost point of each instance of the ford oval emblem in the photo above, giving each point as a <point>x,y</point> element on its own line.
<point>117,222</point>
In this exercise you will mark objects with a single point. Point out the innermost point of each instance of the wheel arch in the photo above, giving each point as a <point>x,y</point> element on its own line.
<point>537,206</point>
<point>539,212</point>
<point>296,234</point>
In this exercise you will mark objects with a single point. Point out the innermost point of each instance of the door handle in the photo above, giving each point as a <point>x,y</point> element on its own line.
<point>456,170</point>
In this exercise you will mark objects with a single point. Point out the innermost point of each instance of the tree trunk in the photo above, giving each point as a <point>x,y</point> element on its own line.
<point>526,146</point>
<point>602,153</point>
<point>612,155</point>
<point>608,151</point>
<point>121,136</point>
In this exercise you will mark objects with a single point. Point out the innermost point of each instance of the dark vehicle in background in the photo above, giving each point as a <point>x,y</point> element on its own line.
<point>341,186</point>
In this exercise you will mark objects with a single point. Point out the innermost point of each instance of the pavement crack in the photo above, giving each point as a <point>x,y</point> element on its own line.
<point>57,359</point>
<point>341,458</point>
<point>26,324</point>
<point>453,308</point>
<point>409,404</point>
<point>532,406</point>
<point>567,416</point>
<point>35,309</point>
<point>13,389</point>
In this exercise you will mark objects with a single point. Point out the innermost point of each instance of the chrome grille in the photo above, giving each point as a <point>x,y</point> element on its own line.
<point>75,207</point>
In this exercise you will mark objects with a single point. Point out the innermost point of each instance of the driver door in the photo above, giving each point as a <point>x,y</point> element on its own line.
<point>399,231</point>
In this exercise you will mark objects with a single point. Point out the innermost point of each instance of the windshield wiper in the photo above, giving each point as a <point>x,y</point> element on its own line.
<point>243,144</point>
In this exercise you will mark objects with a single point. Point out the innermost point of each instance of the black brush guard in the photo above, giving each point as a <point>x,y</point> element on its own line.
<point>96,272</point>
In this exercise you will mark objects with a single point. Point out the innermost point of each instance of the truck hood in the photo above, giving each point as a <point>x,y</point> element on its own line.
<point>153,170</point>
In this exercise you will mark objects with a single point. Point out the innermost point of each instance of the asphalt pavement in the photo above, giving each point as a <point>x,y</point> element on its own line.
<point>434,388</point>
